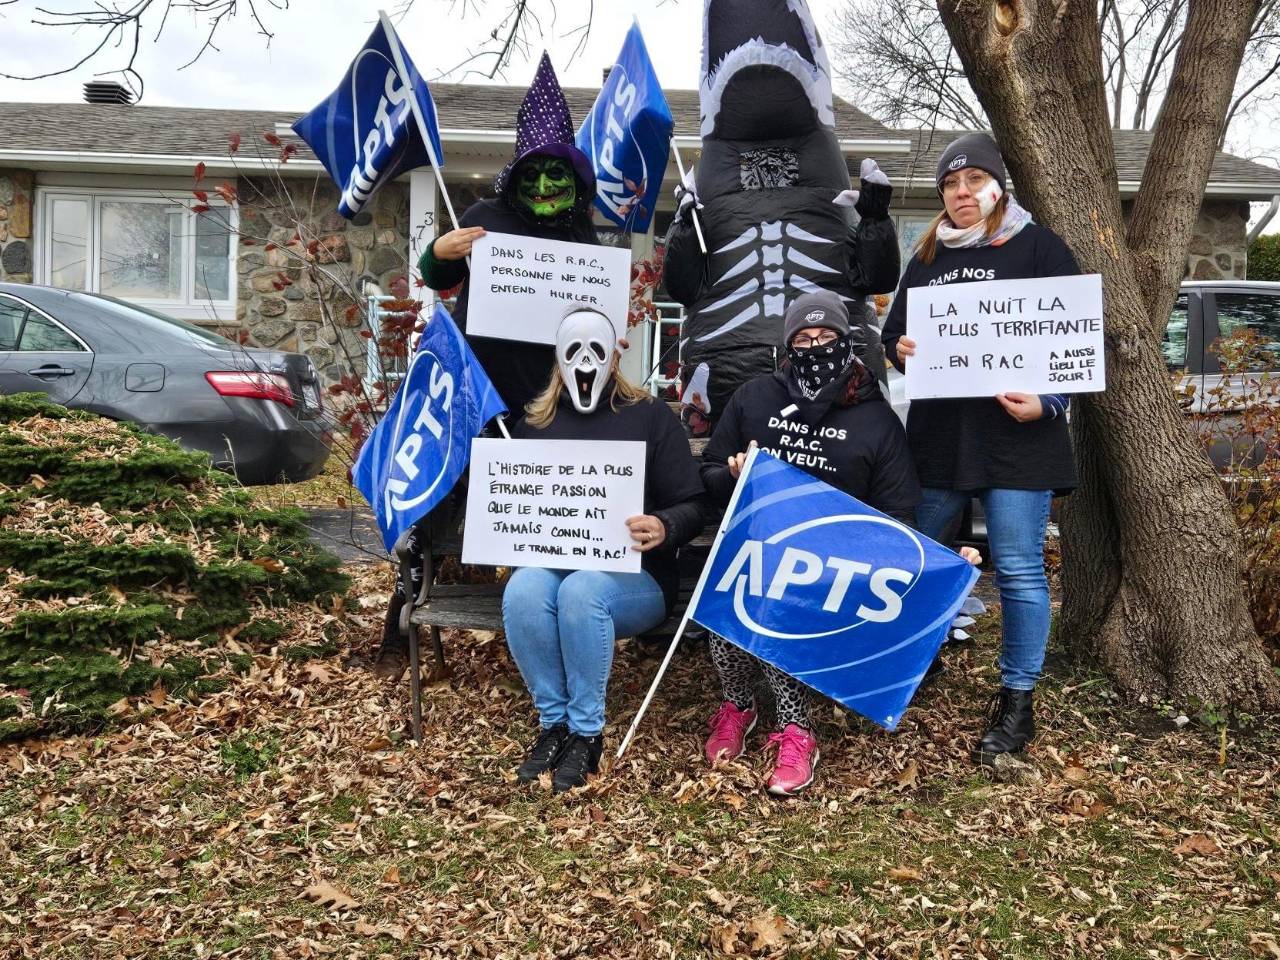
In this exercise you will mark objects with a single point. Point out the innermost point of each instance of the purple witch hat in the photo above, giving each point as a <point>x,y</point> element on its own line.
<point>544,126</point>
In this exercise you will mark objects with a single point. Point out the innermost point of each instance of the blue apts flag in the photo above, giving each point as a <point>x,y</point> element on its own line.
<point>839,596</point>
<point>627,135</point>
<point>420,447</point>
<point>365,133</point>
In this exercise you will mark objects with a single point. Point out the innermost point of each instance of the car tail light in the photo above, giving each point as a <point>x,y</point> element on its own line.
<point>256,385</point>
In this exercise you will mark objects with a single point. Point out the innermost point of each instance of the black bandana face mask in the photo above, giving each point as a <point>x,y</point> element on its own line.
<point>815,368</point>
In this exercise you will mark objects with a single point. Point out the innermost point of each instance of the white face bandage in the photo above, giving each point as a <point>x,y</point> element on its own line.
<point>585,343</point>
<point>988,197</point>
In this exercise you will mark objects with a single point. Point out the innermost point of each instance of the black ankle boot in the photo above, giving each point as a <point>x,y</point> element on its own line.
<point>581,756</point>
<point>544,753</point>
<point>1011,727</point>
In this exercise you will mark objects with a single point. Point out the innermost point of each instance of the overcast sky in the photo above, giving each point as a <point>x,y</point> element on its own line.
<point>315,40</point>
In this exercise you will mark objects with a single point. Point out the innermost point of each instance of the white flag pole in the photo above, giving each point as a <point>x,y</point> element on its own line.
<point>697,226</point>
<point>693,603</point>
<point>398,55</point>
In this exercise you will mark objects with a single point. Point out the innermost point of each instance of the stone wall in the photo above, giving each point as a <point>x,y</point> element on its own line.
<point>312,313</point>
<point>16,247</point>
<point>1218,249</point>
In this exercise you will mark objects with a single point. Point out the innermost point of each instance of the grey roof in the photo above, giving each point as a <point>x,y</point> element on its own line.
<point>204,133</point>
<point>193,132</point>
<point>1131,146</point>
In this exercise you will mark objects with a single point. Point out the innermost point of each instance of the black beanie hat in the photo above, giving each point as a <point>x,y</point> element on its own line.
<point>972,150</point>
<point>819,309</point>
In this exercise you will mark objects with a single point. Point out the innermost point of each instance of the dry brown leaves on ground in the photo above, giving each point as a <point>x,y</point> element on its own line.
<point>288,816</point>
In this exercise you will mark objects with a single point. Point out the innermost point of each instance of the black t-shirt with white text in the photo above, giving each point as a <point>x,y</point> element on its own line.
<point>859,448</point>
<point>972,443</point>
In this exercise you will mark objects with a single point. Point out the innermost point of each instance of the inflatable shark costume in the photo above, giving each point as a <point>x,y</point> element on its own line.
<point>772,193</point>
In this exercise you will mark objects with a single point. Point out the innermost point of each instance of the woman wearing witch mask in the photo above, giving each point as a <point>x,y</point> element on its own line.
<point>824,412</point>
<point>561,624</point>
<point>545,191</point>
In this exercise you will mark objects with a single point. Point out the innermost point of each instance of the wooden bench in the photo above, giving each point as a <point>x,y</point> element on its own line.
<point>478,606</point>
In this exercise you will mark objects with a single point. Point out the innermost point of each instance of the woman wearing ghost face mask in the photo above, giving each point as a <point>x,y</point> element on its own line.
<point>561,624</point>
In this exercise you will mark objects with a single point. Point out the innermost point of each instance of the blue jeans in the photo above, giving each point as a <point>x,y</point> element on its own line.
<point>1016,521</point>
<point>560,627</point>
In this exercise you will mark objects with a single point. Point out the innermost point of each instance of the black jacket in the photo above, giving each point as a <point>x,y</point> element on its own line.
<point>519,370</point>
<point>672,490</point>
<point>972,443</point>
<point>858,447</point>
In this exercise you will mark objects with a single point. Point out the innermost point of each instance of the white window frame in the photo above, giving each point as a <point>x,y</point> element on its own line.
<point>188,307</point>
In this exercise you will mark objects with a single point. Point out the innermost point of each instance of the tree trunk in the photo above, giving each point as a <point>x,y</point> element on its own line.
<point>1151,573</point>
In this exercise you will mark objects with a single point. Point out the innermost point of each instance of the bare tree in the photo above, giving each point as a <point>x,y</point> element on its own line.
<point>1152,583</point>
<point>119,29</point>
<point>901,60</point>
<point>116,31</point>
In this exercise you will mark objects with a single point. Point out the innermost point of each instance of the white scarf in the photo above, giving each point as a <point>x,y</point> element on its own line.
<point>1015,218</point>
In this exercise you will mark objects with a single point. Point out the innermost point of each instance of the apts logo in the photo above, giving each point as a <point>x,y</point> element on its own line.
<point>374,80</point>
<point>417,467</point>
<point>837,592</point>
<point>622,174</point>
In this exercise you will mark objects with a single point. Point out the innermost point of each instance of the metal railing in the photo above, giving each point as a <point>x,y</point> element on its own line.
<point>660,348</point>
<point>377,367</point>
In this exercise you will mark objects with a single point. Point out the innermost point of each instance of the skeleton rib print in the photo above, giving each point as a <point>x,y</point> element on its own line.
<point>779,265</point>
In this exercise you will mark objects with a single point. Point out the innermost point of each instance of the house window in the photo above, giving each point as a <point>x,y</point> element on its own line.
<point>147,248</point>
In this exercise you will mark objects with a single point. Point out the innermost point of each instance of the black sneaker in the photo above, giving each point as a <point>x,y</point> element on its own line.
<point>580,757</point>
<point>1011,727</point>
<point>544,753</point>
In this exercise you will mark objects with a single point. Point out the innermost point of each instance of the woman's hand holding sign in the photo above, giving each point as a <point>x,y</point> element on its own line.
<point>1023,407</point>
<point>647,531</point>
<point>906,348</point>
<point>456,244</point>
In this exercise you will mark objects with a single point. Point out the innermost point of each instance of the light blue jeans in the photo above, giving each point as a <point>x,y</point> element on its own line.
<point>1016,521</point>
<point>561,625</point>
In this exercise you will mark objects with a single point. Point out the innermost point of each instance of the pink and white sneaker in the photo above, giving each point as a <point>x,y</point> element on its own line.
<point>797,757</point>
<point>729,729</point>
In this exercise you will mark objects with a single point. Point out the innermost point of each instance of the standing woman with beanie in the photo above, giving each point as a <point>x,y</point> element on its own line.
<point>826,402</point>
<point>561,624</point>
<point>1011,451</point>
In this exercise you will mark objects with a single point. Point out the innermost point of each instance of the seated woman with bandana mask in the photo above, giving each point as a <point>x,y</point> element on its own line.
<point>561,624</point>
<point>823,412</point>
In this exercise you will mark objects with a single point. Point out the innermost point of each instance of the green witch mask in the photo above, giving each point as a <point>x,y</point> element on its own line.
<point>545,185</point>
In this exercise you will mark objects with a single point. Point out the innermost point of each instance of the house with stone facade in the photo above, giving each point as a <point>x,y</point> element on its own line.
<point>105,197</point>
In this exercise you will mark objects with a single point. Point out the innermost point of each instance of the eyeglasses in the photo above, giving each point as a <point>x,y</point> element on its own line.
<point>974,181</point>
<point>825,338</point>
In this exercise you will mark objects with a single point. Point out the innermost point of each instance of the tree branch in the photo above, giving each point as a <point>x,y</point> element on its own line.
<point>1185,140</point>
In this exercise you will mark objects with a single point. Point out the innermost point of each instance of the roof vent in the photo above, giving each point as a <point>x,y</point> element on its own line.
<point>106,91</point>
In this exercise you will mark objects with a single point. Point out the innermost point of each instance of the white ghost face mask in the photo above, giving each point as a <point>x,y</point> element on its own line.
<point>584,351</point>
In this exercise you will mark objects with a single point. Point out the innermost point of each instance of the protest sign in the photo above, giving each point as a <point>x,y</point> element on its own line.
<point>836,594</point>
<point>1042,335</point>
<point>521,287</point>
<point>562,504</point>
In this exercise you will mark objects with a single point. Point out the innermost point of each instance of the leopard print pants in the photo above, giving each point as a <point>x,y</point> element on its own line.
<point>739,672</point>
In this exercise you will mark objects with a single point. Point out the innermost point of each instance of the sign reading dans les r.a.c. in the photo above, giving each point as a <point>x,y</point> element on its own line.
<point>1043,335</point>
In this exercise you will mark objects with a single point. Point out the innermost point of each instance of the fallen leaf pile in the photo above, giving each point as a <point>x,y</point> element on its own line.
<point>288,816</point>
